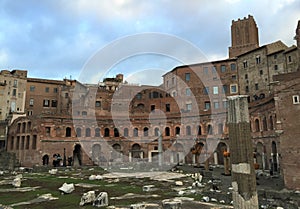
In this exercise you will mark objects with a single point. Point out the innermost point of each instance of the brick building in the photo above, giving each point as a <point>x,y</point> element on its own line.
<point>114,122</point>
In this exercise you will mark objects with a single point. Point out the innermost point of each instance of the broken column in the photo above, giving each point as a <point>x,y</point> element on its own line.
<point>241,154</point>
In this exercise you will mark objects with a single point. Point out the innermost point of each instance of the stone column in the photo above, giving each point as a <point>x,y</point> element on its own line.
<point>241,154</point>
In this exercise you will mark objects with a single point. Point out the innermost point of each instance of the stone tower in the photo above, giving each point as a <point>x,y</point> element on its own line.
<point>244,36</point>
<point>297,37</point>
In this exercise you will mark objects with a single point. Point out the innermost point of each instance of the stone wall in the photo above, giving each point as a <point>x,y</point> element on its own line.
<point>7,160</point>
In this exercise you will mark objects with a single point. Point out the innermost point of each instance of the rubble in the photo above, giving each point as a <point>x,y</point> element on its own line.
<point>87,198</point>
<point>101,200</point>
<point>67,188</point>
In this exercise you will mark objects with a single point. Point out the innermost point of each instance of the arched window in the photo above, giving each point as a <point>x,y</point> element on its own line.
<point>146,131</point>
<point>167,131</point>
<point>265,127</point>
<point>177,130</point>
<point>135,132</point>
<point>257,128</point>
<point>156,131</point>
<point>126,132</point>
<point>106,132</point>
<point>199,132</point>
<point>116,132</point>
<point>78,132</point>
<point>68,132</point>
<point>97,132</point>
<point>188,131</point>
<point>209,129</point>
<point>87,132</point>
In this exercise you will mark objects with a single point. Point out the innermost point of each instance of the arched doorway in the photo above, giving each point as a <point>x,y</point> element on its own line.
<point>45,159</point>
<point>136,152</point>
<point>116,153</point>
<point>222,147</point>
<point>77,155</point>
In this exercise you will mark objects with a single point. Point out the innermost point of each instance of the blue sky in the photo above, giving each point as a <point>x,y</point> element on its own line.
<point>55,39</point>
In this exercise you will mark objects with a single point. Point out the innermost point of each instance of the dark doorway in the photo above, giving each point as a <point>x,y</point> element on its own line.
<point>77,155</point>
<point>45,159</point>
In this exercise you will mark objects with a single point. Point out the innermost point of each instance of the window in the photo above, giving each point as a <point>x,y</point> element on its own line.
<point>14,93</point>
<point>261,72</point>
<point>256,86</point>
<point>257,59</point>
<point>106,132</point>
<point>189,107</point>
<point>47,131</point>
<point>78,132</point>
<point>66,95</point>
<point>275,56</point>
<point>206,90</point>
<point>205,70</point>
<point>47,89</point>
<point>188,92</point>
<point>31,101</point>
<point>15,83</point>
<point>84,113</point>
<point>146,130</point>
<point>207,105</point>
<point>33,145</point>
<point>135,132</point>
<point>168,108</point>
<point>177,131</point>
<point>247,89</point>
<point>246,76</point>
<point>46,103</point>
<point>167,131</point>
<point>245,64</point>
<point>216,105</point>
<point>32,88</point>
<point>139,95</point>
<point>116,132</point>
<point>54,103</point>
<point>233,88</point>
<point>97,132</point>
<point>215,90</point>
<point>213,70</point>
<point>68,132</point>
<point>173,81</point>
<point>199,130</point>
<point>232,67</point>
<point>98,104</point>
<point>220,128</point>
<point>275,67</point>
<point>88,132</point>
<point>209,129</point>
<point>55,90</point>
<point>265,126</point>
<point>233,77</point>
<point>152,108</point>
<point>155,94</point>
<point>156,131</point>
<point>257,126</point>
<point>223,68</point>
<point>225,104</point>
<point>290,58</point>
<point>224,89</point>
<point>188,131</point>
<point>296,99</point>
<point>187,77</point>
<point>126,132</point>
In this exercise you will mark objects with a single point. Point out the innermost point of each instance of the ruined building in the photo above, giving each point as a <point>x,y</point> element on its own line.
<point>113,122</point>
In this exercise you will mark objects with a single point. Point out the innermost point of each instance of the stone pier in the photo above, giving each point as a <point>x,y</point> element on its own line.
<point>241,154</point>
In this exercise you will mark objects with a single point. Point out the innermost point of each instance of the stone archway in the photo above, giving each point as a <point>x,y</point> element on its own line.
<point>221,148</point>
<point>45,159</point>
<point>136,152</point>
<point>77,155</point>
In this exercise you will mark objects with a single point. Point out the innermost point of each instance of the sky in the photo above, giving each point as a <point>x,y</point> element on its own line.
<point>57,39</point>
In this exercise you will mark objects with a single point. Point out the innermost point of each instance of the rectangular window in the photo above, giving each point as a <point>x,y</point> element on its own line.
<point>47,89</point>
<point>223,68</point>
<point>233,77</point>
<point>296,99</point>
<point>47,131</point>
<point>207,105</point>
<point>233,88</point>
<point>168,108</point>
<point>206,90</point>
<point>256,86</point>
<point>55,90</point>
<point>290,58</point>
<point>275,56</point>
<point>32,88</point>
<point>14,93</point>
<point>54,103</point>
<point>31,101</point>
<point>46,103</point>
<point>213,70</point>
<point>246,76</point>
<point>245,63</point>
<point>215,90</point>
<point>232,67</point>
<point>189,107</point>
<point>66,95</point>
<point>216,105</point>
<point>275,67</point>
<point>15,83</point>
<point>261,72</point>
<point>188,92</point>
<point>257,59</point>
<point>225,89</point>
<point>34,142</point>
<point>187,77</point>
<point>247,89</point>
